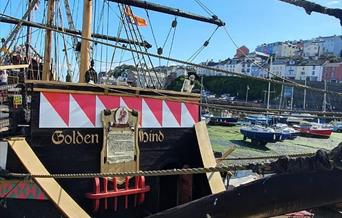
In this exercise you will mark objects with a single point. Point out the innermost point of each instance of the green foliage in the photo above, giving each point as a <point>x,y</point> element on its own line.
<point>120,69</point>
<point>177,84</point>
<point>235,86</point>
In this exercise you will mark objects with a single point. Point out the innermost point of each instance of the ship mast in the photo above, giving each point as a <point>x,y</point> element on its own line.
<point>86,34</point>
<point>48,41</point>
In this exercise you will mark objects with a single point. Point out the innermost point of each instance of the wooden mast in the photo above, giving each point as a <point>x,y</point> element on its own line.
<point>86,34</point>
<point>48,41</point>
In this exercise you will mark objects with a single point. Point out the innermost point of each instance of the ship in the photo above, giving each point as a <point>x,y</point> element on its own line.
<point>95,150</point>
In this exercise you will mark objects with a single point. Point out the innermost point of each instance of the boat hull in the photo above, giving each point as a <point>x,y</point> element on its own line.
<point>66,135</point>
<point>323,133</point>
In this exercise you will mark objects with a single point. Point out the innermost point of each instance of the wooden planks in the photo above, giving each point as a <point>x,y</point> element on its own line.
<point>49,185</point>
<point>206,151</point>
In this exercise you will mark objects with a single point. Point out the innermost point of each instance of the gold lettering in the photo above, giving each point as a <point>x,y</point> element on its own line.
<point>57,137</point>
<point>75,137</point>
<point>79,138</point>
<point>68,139</point>
<point>86,139</point>
<point>161,136</point>
<point>151,136</point>
<point>96,137</point>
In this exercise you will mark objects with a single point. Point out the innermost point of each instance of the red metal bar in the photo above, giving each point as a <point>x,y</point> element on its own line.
<point>127,188</point>
<point>115,185</point>
<point>138,190</point>
<point>105,190</point>
<point>97,190</point>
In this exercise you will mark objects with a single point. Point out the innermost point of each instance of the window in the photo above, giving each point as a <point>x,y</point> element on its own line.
<point>313,73</point>
<point>313,67</point>
<point>303,73</point>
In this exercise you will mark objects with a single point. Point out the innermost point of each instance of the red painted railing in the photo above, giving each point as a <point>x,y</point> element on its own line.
<point>138,190</point>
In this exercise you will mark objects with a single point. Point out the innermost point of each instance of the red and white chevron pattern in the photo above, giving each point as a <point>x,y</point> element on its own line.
<point>63,110</point>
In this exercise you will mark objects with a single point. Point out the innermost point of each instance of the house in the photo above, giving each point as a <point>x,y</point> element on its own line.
<point>278,67</point>
<point>241,52</point>
<point>290,69</point>
<point>332,72</point>
<point>310,69</point>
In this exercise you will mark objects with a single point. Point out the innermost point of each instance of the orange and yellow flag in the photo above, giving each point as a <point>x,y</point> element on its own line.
<point>139,21</point>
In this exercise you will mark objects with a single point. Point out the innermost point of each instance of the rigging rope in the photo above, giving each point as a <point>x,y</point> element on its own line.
<point>205,44</point>
<point>169,172</point>
<point>16,30</point>
<point>130,46</point>
<point>183,62</point>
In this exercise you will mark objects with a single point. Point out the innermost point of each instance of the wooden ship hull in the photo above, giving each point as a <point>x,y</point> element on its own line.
<point>65,134</point>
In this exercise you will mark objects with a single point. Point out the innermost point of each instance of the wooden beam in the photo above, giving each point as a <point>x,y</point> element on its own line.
<point>50,186</point>
<point>9,67</point>
<point>268,197</point>
<point>310,7</point>
<point>215,180</point>
<point>48,41</point>
<point>86,34</point>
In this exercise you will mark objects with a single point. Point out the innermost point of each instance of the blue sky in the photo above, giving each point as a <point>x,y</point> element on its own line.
<point>250,23</point>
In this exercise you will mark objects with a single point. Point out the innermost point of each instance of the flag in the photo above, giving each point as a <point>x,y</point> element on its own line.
<point>139,21</point>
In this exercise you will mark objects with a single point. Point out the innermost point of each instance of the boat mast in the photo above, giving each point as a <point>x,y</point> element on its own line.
<point>269,86</point>
<point>86,34</point>
<point>28,34</point>
<point>75,31</point>
<point>304,101</point>
<point>172,11</point>
<point>48,41</point>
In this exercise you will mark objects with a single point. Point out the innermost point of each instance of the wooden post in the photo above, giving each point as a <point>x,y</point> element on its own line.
<point>48,41</point>
<point>86,33</point>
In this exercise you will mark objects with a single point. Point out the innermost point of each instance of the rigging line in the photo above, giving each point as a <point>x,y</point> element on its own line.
<point>228,107</point>
<point>149,59</point>
<point>64,44</point>
<point>130,46</point>
<point>153,35</point>
<point>194,55</point>
<point>205,44</point>
<point>268,71</point>
<point>143,56</point>
<point>107,34</point>
<point>171,46</point>
<point>205,8</point>
<point>114,50</point>
<point>128,30</point>
<point>7,3</point>
<point>130,25</point>
<point>167,37</point>
<point>184,62</point>
<point>15,30</point>
<point>151,27</point>
<point>118,62</point>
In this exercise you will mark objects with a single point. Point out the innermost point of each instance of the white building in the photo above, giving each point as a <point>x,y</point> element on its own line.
<point>311,49</point>
<point>311,69</point>
<point>278,67</point>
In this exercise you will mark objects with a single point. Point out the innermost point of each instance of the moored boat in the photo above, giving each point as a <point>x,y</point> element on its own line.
<point>259,135</point>
<point>315,129</point>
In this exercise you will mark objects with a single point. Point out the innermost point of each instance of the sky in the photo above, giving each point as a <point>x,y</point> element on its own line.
<point>249,22</point>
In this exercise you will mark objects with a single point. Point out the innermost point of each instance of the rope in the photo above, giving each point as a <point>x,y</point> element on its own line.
<point>269,157</point>
<point>205,44</point>
<point>184,62</point>
<point>263,68</point>
<point>170,172</point>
